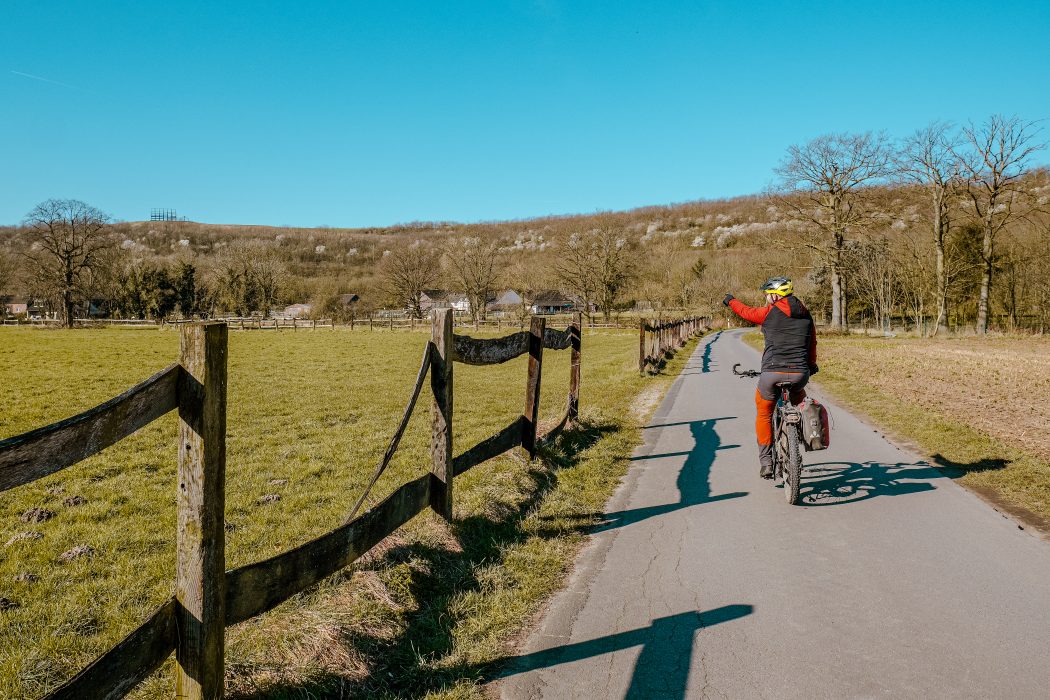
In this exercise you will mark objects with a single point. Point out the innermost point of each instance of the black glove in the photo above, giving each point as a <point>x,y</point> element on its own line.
<point>729,297</point>
<point>813,369</point>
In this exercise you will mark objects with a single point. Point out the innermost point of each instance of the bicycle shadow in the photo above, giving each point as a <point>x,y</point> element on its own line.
<point>838,483</point>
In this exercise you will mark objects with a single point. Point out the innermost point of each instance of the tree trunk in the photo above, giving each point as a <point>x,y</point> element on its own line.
<point>986,283</point>
<point>838,296</point>
<point>942,282</point>
<point>67,309</point>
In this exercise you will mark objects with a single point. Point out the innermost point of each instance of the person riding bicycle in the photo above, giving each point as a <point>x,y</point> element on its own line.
<point>790,355</point>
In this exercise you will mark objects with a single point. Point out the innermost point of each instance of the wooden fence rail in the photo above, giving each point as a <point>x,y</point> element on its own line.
<point>209,598</point>
<point>657,341</point>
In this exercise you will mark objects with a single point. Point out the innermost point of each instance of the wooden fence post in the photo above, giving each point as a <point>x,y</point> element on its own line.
<point>641,346</point>
<point>531,415</point>
<point>200,587</point>
<point>391,323</point>
<point>576,341</point>
<point>441,413</point>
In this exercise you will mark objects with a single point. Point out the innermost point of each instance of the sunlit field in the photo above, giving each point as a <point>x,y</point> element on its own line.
<point>310,413</point>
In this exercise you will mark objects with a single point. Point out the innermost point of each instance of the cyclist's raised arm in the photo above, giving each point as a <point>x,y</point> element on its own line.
<point>749,313</point>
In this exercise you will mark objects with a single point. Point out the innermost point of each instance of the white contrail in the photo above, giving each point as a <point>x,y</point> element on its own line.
<point>45,80</point>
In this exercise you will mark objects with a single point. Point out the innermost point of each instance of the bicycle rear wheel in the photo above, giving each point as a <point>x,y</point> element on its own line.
<point>792,463</point>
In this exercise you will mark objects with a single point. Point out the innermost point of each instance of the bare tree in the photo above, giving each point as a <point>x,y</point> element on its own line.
<point>527,277</point>
<point>474,264</point>
<point>250,276</point>
<point>875,274</point>
<point>7,270</point>
<point>597,265</point>
<point>69,251</point>
<point>822,183</point>
<point>995,160</point>
<point>406,272</point>
<point>928,159</point>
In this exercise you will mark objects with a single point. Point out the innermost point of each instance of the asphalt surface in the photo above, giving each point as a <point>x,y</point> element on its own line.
<point>891,580</point>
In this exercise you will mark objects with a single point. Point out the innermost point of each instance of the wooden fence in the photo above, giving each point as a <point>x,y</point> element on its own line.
<point>498,324</point>
<point>259,323</point>
<point>657,342</point>
<point>207,597</point>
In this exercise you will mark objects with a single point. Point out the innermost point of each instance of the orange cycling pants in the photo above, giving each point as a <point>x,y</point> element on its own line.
<point>766,395</point>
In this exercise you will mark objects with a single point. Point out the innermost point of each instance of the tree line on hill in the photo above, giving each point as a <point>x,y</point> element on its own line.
<point>946,228</point>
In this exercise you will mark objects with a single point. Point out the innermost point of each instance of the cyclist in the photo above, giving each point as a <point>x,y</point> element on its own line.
<point>790,355</point>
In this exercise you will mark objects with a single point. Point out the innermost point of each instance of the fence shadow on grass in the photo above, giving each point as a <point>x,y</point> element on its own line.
<point>408,663</point>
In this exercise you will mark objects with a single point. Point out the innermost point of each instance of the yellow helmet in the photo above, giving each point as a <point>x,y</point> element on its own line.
<point>781,286</point>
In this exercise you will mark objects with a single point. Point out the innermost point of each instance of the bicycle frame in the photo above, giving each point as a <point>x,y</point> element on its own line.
<point>786,416</point>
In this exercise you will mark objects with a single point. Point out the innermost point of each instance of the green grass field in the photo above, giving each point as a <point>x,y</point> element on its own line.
<point>428,611</point>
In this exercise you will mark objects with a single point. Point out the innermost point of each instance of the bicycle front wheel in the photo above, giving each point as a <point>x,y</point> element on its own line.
<point>792,464</point>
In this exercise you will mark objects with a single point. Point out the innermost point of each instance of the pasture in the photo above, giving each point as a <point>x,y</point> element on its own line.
<point>87,554</point>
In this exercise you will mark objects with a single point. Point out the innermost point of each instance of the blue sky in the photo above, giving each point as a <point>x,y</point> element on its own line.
<point>363,114</point>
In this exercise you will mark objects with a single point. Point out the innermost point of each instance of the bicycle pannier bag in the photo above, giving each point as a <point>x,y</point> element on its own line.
<point>815,432</point>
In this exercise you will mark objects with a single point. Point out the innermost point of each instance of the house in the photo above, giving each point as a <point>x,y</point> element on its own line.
<point>442,299</point>
<point>28,307</point>
<point>552,302</point>
<point>433,299</point>
<point>16,306</point>
<point>298,310</point>
<point>507,300</point>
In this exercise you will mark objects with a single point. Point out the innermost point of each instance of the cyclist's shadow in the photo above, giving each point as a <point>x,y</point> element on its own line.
<point>694,477</point>
<point>837,483</point>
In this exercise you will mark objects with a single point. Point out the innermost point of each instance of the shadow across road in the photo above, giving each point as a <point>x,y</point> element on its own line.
<point>693,480</point>
<point>662,669</point>
<point>706,363</point>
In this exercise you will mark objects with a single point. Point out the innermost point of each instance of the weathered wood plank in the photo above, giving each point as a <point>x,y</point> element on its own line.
<point>258,587</point>
<point>127,664</point>
<point>530,416</point>
<point>398,434</point>
<point>489,351</point>
<point>576,341</point>
<point>554,339</point>
<point>442,351</point>
<point>30,456</point>
<point>200,585</point>
<point>643,354</point>
<point>506,439</point>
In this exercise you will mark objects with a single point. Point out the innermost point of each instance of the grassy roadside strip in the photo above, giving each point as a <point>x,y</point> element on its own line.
<point>1012,479</point>
<point>435,609</point>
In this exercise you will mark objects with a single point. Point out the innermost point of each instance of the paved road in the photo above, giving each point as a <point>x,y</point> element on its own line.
<point>703,582</point>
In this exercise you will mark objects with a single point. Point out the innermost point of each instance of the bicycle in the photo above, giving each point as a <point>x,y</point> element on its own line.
<point>787,439</point>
